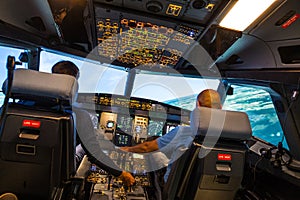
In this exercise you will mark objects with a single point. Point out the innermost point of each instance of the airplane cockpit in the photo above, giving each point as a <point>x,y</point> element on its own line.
<point>142,65</point>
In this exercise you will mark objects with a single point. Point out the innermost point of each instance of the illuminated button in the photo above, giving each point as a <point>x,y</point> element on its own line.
<point>173,10</point>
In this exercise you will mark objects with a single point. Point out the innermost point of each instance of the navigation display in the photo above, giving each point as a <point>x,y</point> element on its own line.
<point>155,128</point>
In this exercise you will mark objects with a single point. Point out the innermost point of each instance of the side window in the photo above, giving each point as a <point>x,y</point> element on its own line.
<point>4,53</point>
<point>257,103</point>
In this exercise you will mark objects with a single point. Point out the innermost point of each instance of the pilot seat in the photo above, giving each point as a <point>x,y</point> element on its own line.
<point>213,167</point>
<point>37,138</point>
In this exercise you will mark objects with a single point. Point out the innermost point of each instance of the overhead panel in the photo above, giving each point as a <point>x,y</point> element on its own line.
<point>135,40</point>
<point>192,11</point>
<point>151,33</point>
<point>201,11</point>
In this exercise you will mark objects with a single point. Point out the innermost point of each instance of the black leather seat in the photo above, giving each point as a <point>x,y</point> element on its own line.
<point>213,167</point>
<point>37,140</point>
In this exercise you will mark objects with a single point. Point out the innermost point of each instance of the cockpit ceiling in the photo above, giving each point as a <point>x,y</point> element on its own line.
<point>156,35</point>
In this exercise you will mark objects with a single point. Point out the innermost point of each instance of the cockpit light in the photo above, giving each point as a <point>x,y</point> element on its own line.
<point>244,12</point>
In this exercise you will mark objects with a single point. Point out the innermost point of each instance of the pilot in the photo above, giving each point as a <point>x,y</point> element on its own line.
<point>179,136</point>
<point>86,126</point>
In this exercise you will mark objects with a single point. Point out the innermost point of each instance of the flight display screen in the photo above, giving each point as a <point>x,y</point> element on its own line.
<point>122,139</point>
<point>124,123</point>
<point>155,128</point>
<point>133,40</point>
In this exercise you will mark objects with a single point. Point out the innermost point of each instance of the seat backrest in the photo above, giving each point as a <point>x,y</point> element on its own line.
<point>223,124</point>
<point>37,140</point>
<point>31,85</point>
<point>211,127</point>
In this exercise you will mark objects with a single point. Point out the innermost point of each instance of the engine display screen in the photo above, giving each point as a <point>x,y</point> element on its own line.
<point>122,139</point>
<point>124,123</point>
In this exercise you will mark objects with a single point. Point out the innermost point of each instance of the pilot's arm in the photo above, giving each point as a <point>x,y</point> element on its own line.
<point>91,147</point>
<point>152,145</point>
<point>145,147</point>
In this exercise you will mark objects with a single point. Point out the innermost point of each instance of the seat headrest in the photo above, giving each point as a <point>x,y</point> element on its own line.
<point>224,124</point>
<point>30,84</point>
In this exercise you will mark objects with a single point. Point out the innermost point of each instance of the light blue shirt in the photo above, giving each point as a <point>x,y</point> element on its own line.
<point>178,140</point>
<point>174,144</point>
<point>176,137</point>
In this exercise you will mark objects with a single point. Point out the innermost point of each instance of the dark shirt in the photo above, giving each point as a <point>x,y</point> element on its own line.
<point>91,145</point>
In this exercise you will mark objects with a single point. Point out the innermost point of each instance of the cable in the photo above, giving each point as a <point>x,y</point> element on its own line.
<point>284,122</point>
<point>293,99</point>
<point>254,169</point>
<point>10,65</point>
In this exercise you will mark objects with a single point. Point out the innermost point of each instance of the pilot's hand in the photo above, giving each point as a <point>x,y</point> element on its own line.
<point>127,178</point>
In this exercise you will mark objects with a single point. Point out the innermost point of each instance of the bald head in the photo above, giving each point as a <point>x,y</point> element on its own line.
<point>209,98</point>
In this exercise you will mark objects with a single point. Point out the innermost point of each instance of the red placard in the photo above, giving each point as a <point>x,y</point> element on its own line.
<point>290,21</point>
<point>224,157</point>
<point>31,123</point>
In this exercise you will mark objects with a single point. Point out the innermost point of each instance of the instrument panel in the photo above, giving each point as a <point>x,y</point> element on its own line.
<point>101,185</point>
<point>124,121</point>
<point>129,121</point>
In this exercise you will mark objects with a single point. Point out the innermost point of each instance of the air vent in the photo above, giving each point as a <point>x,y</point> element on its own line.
<point>199,4</point>
<point>154,6</point>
